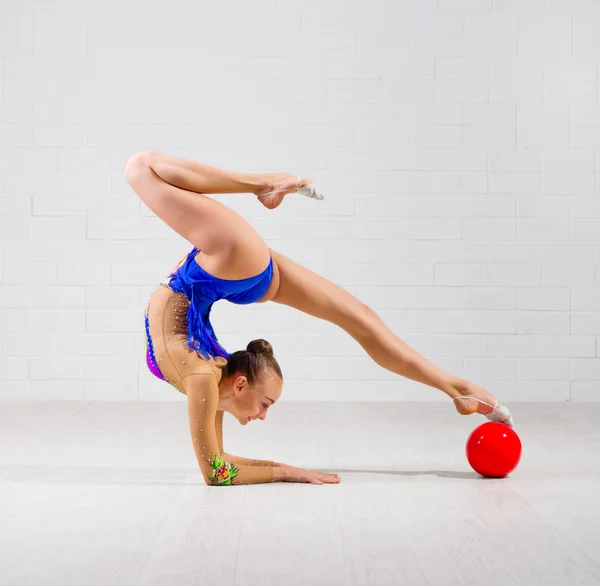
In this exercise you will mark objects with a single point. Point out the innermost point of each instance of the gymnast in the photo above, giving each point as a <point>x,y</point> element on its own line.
<point>229,260</point>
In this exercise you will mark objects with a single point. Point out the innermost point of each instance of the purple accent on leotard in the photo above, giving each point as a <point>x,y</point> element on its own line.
<point>153,367</point>
<point>150,357</point>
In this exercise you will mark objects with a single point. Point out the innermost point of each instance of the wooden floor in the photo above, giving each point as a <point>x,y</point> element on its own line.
<point>110,494</point>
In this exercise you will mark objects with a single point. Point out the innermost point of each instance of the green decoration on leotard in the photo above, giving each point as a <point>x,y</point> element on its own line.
<point>223,472</point>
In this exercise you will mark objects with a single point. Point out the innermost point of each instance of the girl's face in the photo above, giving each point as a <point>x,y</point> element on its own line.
<point>253,401</point>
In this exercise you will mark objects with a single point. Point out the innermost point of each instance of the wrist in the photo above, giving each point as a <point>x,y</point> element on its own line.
<point>280,473</point>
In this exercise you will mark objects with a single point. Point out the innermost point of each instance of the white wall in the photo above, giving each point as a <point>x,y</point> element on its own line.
<point>458,143</point>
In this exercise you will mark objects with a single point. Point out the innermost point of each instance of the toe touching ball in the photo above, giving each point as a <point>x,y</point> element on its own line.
<point>493,449</point>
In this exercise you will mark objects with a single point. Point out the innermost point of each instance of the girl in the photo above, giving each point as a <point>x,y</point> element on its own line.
<point>229,260</point>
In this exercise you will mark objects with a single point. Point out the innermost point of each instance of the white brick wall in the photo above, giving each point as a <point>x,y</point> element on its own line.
<point>458,142</point>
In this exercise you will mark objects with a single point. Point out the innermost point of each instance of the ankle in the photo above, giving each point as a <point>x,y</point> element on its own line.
<point>461,388</point>
<point>255,182</point>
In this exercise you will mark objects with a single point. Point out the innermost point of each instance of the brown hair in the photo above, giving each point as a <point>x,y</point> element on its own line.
<point>253,361</point>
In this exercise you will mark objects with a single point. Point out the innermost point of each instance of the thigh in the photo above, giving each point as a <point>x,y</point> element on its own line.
<point>303,289</point>
<point>167,321</point>
<point>207,224</point>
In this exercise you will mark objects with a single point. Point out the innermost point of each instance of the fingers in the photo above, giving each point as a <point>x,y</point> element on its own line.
<point>313,477</point>
<point>327,478</point>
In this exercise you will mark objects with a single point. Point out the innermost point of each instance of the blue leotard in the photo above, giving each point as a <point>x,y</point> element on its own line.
<point>202,290</point>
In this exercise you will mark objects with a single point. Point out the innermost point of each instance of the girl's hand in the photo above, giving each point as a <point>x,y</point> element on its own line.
<point>293,474</point>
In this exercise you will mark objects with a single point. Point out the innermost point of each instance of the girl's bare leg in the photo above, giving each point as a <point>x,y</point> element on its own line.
<point>305,290</point>
<point>173,188</point>
<point>201,178</point>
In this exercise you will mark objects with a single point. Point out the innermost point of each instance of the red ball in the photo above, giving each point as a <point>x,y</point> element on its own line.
<point>493,449</point>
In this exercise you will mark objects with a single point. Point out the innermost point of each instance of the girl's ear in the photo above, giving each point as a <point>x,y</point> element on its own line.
<point>240,382</point>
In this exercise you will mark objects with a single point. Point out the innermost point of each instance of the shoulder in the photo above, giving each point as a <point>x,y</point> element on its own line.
<point>206,374</point>
<point>218,365</point>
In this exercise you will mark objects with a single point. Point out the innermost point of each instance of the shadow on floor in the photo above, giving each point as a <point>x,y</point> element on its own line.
<point>182,476</point>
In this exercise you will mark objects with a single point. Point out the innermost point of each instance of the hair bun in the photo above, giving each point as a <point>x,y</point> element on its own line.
<point>260,347</point>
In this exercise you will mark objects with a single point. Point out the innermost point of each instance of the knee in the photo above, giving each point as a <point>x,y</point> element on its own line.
<point>141,157</point>
<point>367,312</point>
<point>365,321</point>
<point>135,161</point>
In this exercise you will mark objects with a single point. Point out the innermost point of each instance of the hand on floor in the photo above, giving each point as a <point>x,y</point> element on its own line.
<point>294,474</point>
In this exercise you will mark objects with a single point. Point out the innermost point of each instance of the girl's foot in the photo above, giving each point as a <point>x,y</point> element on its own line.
<point>474,399</point>
<point>275,186</point>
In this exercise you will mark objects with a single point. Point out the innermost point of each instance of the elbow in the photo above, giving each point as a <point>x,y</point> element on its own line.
<point>208,474</point>
<point>210,480</point>
<point>222,475</point>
